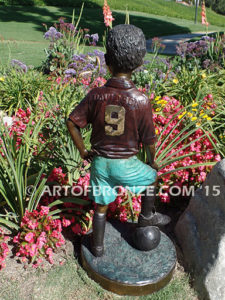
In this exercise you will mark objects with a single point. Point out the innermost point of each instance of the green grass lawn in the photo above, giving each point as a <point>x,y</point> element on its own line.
<point>163,8</point>
<point>21,28</point>
<point>70,282</point>
<point>157,7</point>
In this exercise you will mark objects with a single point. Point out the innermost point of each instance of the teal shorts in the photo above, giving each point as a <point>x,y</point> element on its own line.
<point>107,175</point>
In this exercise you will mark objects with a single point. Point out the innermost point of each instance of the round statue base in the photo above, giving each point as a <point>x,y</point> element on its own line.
<point>125,270</point>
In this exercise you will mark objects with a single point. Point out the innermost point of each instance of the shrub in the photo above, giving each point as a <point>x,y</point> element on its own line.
<point>20,144</point>
<point>66,40</point>
<point>19,89</point>
<point>38,237</point>
<point>66,3</point>
<point>4,249</point>
<point>219,6</point>
<point>207,53</point>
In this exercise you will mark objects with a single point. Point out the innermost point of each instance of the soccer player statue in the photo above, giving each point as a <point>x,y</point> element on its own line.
<point>121,119</point>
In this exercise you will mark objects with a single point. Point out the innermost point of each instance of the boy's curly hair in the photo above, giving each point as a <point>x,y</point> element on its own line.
<point>125,48</point>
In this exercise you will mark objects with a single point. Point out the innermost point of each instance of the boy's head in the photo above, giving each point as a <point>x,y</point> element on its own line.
<point>125,48</point>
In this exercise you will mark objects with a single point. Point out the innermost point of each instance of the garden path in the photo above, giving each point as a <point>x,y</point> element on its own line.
<point>171,41</point>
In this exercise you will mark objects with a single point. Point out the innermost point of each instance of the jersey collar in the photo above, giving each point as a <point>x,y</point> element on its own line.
<point>120,83</point>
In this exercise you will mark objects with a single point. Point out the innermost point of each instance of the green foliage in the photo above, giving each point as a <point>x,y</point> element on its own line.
<point>186,85</point>
<point>20,186</point>
<point>19,89</point>
<point>164,155</point>
<point>218,6</point>
<point>65,3</point>
<point>216,85</point>
<point>60,51</point>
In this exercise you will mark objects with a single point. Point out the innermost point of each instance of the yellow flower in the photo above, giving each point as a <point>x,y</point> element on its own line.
<point>205,116</point>
<point>157,131</point>
<point>194,109</point>
<point>198,124</point>
<point>175,80</point>
<point>159,102</point>
<point>190,114</point>
<point>181,116</point>
<point>2,79</point>
<point>158,109</point>
<point>194,119</point>
<point>203,75</point>
<point>209,119</point>
<point>194,104</point>
<point>202,113</point>
<point>157,98</point>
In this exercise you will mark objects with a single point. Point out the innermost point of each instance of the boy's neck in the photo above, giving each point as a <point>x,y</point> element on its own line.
<point>122,75</point>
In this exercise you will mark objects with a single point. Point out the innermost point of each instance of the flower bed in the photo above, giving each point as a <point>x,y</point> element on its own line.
<point>4,250</point>
<point>37,153</point>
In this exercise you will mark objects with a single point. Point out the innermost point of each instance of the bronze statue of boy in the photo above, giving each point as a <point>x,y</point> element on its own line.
<point>121,118</point>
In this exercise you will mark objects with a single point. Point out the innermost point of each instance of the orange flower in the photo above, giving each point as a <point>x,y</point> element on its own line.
<point>203,14</point>
<point>107,15</point>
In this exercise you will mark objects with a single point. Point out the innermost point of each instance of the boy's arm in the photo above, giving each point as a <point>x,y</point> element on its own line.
<point>147,132</point>
<point>79,118</point>
<point>151,156</point>
<point>78,141</point>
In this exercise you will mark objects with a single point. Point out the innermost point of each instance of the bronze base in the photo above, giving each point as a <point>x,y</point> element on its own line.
<point>137,274</point>
<point>124,289</point>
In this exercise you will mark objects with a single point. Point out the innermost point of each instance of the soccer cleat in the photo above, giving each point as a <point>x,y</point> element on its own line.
<point>156,219</point>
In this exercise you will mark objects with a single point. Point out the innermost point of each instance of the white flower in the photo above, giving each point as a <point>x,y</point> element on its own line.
<point>7,121</point>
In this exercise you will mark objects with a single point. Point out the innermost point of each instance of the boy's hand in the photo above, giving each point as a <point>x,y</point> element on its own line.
<point>87,155</point>
<point>154,166</point>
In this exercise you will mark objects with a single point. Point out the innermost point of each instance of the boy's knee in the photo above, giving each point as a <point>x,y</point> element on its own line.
<point>102,208</point>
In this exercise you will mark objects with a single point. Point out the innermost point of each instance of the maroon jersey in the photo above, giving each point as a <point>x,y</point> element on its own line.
<point>121,118</point>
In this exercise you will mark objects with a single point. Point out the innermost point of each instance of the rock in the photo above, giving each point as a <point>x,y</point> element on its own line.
<point>201,234</point>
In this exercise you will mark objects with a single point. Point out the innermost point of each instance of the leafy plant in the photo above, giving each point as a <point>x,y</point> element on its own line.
<point>19,89</point>
<point>186,147</point>
<point>39,236</point>
<point>66,42</point>
<point>16,161</point>
<point>186,85</point>
<point>207,53</point>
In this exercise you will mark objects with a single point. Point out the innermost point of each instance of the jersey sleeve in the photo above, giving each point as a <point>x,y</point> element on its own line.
<point>80,115</point>
<point>146,129</point>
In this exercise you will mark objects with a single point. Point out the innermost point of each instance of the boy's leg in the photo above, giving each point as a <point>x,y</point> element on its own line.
<point>148,215</point>
<point>98,226</point>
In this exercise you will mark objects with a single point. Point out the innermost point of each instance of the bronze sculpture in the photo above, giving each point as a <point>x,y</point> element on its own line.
<point>121,118</point>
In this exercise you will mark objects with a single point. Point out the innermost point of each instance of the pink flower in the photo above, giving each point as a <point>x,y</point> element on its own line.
<point>66,222</point>
<point>33,250</point>
<point>217,157</point>
<point>58,80</point>
<point>29,237</point>
<point>108,19</point>
<point>44,210</point>
<point>49,251</point>
<point>16,238</point>
<point>32,224</point>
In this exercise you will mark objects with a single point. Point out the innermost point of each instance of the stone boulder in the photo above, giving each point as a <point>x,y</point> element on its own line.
<point>201,234</point>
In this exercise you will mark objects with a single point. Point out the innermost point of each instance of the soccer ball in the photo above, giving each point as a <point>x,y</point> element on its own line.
<point>146,238</point>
